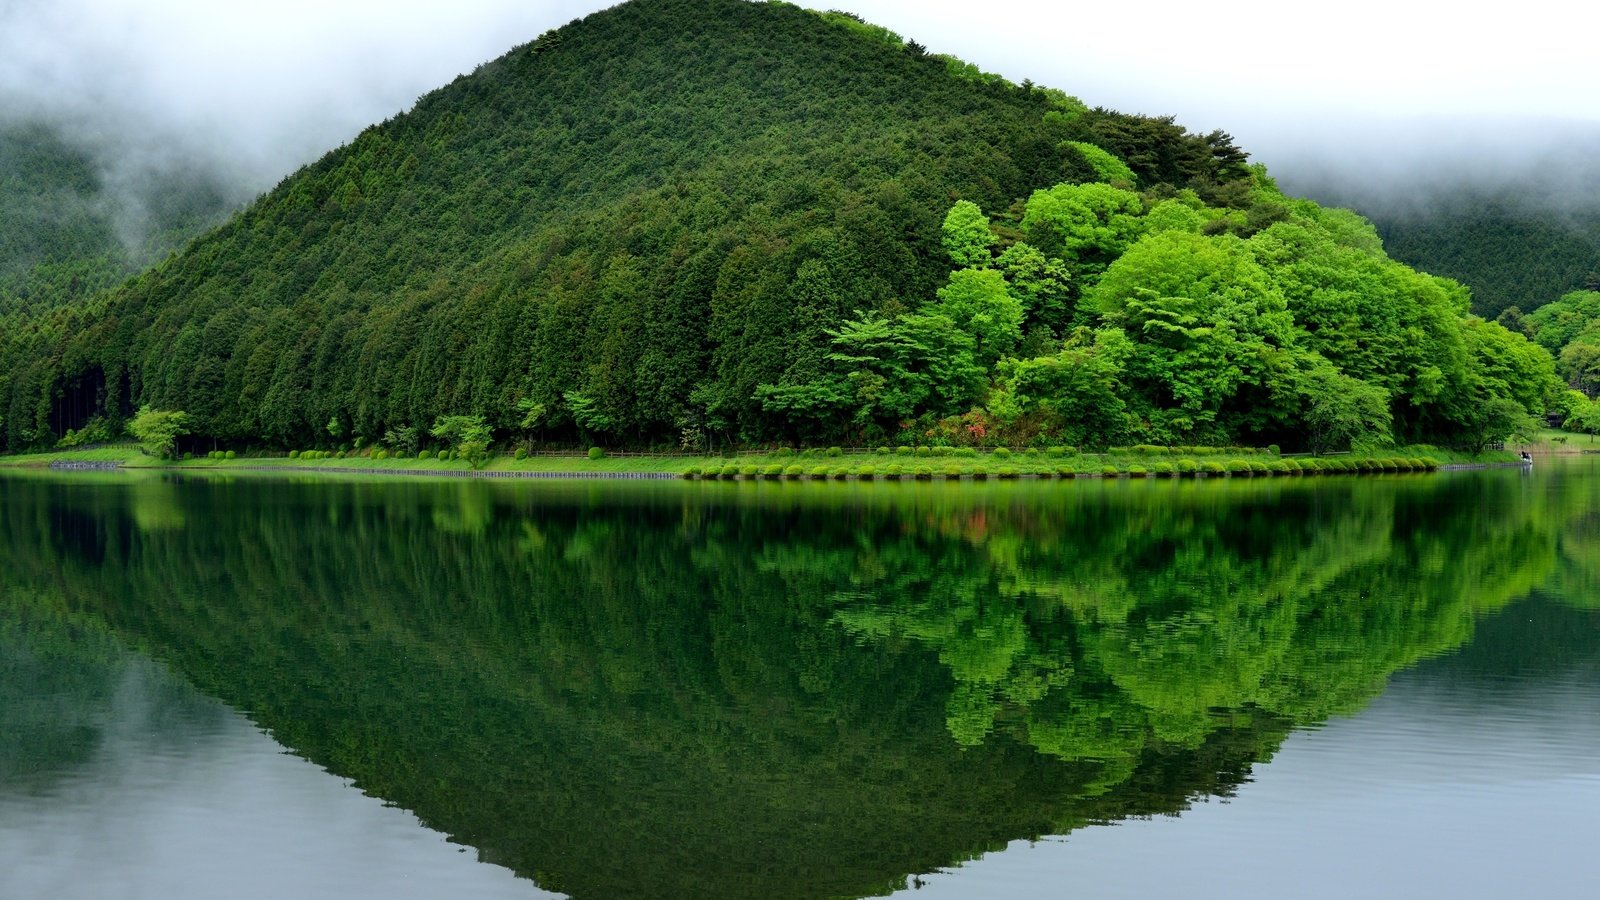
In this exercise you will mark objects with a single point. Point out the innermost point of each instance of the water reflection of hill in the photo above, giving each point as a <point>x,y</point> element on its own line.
<point>692,691</point>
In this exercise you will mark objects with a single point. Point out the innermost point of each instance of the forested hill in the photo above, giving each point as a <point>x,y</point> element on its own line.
<point>691,221</point>
<point>1512,252</point>
<point>65,232</point>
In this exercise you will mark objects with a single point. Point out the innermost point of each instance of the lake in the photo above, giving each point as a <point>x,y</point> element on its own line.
<point>270,686</point>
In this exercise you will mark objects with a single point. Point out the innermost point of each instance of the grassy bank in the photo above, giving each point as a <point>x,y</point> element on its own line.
<point>830,463</point>
<point>1554,441</point>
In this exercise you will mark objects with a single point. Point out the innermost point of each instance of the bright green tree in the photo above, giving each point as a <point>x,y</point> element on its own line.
<point>1342,412</point>
<point>967,237</point>
<point>468,436</point>
<point>1088,225</point>
<point>978,302</point>
<point>158,430</point>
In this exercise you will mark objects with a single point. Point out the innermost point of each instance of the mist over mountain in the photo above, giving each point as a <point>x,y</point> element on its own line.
<point>1510,207</point>
<point>125,129</point>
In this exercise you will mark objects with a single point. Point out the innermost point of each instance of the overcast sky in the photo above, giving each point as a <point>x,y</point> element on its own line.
<point>1363,89</point>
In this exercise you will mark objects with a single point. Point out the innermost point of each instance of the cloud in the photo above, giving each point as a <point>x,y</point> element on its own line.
<point>1388,99</point>
<point>239,95</point>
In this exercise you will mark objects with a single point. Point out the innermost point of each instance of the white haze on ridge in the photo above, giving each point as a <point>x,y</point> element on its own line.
<point>1368,98</point>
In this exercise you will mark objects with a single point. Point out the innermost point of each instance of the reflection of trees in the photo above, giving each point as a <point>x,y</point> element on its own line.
<point>785,692</point>
<point>1091,633</point>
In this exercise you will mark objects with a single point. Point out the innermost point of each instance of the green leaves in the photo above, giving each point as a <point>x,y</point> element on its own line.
<point>967,237</point>
<point>158,430</point>
<point>468,437</point>
<point>1088,225</point>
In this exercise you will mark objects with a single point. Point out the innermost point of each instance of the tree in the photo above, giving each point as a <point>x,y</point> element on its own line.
<point>468,436</point>
<point>977,301</point>
<point>1343,412</point>
<point>157,430</point>
<point>1107,166</point>
<point>967,237</point>
<point>402,437</point>
<point>1043,286</point>
<point>1580,363</point>
<point>1497,419</point>
<point>1088,225</point>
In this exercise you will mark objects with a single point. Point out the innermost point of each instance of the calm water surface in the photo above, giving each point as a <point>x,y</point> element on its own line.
<point>265,687</point>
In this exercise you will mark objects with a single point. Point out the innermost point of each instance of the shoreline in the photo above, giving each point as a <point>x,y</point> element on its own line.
<point>855,467</point>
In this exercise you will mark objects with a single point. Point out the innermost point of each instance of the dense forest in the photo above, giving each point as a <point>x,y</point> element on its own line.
<point>67,232</point>
<point>693,224</point>
<point>1511,257</point>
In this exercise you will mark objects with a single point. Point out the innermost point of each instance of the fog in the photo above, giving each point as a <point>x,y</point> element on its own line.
<point>1382,103</point>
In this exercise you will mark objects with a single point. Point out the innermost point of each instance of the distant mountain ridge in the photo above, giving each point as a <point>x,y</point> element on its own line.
<point>66,233</point>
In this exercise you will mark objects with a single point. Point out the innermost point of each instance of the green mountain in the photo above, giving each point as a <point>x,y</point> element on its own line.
<point>65,232</point>
<point>1508,254</point>
<point>703,222</point>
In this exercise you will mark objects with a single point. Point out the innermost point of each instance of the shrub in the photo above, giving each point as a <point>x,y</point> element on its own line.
<point>902,451</point>
<point>840,472</point>
<point>867,473</point>
<point>691,472</point>
<point>882,451</point>
<point>966,452</point>
<point>1237,467</point>
<point>596,453</point>
<point>1164,469</point>
<point>952,472</point>
<point>1258,467</point>
<point>730,472</point>
<point>1187,466</point>
<point>782,452</point>
<point>1417,465</point>
<point>339,455</point>
<point>1279,467</point>
<point>1292,466</point>
<point>923,473</point>
<point>1429,463</point>
<point>1066,472</point>
<point>521,454</point>
<point>835,451</point>
<point>794,471</point>
<point>943,451</point>
<point>894,471</point>
<point>924,452</point>
<point>773,471</point>
<point>1272,450</point>
<point>1002,453</point>
<point>818,473</point>
<point>1109,471</point>
<point>1137,471</point>
<point>230,455</point>
<point>1031,451</point>
<point>749,471</point>
<point>1212,467</point>
<point>979,474</point>
<point>1008,472</point>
